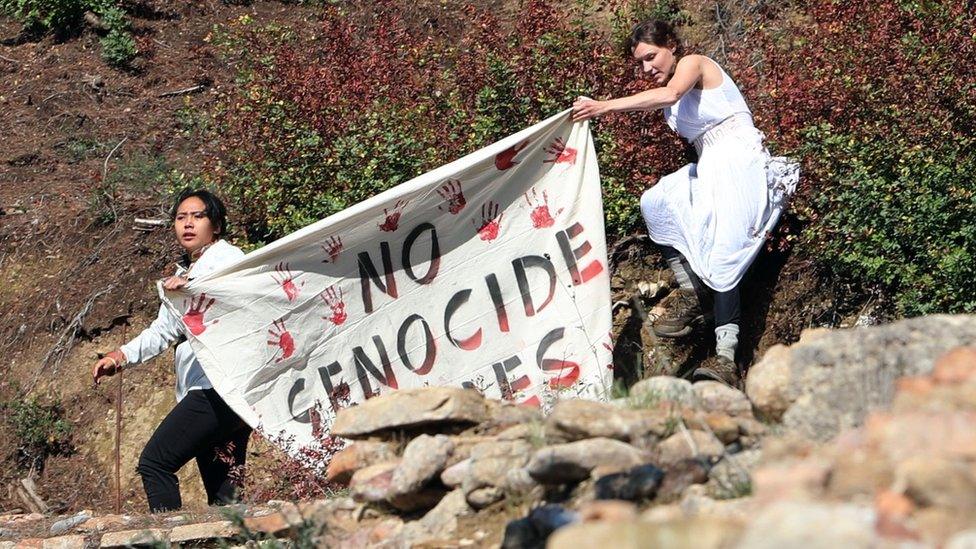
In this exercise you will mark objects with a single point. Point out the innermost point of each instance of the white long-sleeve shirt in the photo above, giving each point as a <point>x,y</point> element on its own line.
<point>168,328</point>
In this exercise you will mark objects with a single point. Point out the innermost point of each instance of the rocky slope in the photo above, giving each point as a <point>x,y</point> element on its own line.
<point>852,438</point>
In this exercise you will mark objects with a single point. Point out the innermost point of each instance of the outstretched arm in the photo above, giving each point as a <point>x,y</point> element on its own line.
<point>686,74</point>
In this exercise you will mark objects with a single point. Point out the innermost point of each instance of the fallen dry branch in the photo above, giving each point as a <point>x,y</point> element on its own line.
<point>185,91</point>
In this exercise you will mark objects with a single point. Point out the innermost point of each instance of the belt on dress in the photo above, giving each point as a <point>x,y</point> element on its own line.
<point>724,128</point>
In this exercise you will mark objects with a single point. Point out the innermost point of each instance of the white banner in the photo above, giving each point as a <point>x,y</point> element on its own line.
<point>489,272</point>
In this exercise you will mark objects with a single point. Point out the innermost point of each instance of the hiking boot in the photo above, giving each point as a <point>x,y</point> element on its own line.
<point>682,312</point>
<point>718,368</point>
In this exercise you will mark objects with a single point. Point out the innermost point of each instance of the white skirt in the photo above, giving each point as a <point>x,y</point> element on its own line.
<point>717,212</point>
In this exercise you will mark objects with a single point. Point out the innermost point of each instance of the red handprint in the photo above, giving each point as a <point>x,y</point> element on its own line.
<point>281,338</point>
<point>608,345</point>
<point>506,159</point>
<point>285,278</point>
<point>193,319</point>
<point>490,221</point>
<point>451,192</point>
<point>392,220</point>
<point>540,215</point>
<point>560,153</point>
<point>332,296</point>
<point>332,247</point>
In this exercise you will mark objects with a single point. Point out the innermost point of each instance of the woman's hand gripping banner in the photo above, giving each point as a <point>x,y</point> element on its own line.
<point>489,273</point>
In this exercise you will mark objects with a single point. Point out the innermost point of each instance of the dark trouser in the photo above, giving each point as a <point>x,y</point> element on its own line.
<point>201,426</point>
<point>725,305</point>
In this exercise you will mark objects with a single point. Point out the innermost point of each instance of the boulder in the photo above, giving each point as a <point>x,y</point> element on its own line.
<point>580,419</point>
<point>637,484</point>
<point>831,379</point>
<point>411,409</point>
<point>662,391</point>
<point>489,473</point>
<point>357,455</point>
<point>574,461</point>
<point>687,444</point>
<point>423,460</point>
<point>713,396</point>
<point>811,524</point>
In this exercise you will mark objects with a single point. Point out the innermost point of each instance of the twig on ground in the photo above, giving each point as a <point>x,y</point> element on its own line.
<point>109,157</point>
<point>5,58</point>
<point>185,91</point>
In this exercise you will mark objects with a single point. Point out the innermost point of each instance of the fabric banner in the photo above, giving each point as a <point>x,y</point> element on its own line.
<point>489,272</point>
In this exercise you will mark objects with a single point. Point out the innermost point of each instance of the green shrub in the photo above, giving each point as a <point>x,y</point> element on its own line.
<point>40,430</point>
<point>63,17</point>
<point>118,46</point>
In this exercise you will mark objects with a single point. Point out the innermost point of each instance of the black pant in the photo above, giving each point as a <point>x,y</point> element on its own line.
<point>201,426</point>
<point>726,306</point>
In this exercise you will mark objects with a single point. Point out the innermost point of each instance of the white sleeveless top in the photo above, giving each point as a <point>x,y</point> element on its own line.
<point>701,110</point>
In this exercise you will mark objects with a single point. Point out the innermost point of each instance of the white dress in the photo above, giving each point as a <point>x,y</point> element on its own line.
<point>718,211</point>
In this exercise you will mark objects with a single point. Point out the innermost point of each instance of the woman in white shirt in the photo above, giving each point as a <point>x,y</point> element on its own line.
<point>710,217</point>
<point>201,426</point>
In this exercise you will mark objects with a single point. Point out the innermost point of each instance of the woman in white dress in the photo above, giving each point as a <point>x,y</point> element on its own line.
<point>710,217</point>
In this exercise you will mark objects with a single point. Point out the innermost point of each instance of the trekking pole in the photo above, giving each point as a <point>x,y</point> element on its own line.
<point>118,439</point>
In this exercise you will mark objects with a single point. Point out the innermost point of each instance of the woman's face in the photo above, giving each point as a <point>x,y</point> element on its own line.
<point>193,228</point>
<point>657,62</point>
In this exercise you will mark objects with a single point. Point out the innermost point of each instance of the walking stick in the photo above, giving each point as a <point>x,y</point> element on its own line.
<point>118,439</point>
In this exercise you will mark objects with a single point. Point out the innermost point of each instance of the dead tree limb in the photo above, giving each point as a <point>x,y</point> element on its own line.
<point>66,341</point>
<point>185,91</point>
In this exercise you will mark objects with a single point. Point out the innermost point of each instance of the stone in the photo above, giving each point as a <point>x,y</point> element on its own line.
<point>203,531</point>
<point>830,380</point>
<point>453,476</point>
<point>18,519</point>
<point>731,477</point>
<point>713,396</point>
<point>607,510</point>
<point>65,542</point>
<point>810,524</point>
<point>423,460</point>
<point>423,407</point>
<point>504,414</point>
<point>578,419</point>
<point>487,476</point>
<point>357,455</point>
<point>61,526</point>
<point>686,445</point>
<point>956,366</point>
<point>636,484</point>
<point>694,533</point>
<point>724,427</point>
<point>934,482</point>
<point>679,476</point>
<point>791,479</point>
<point>105,522</point>
<point>128,538</point>
<point>662,390</point>
<point>962,540</point>
<point>274,524</point>
<point>439,523</point>
<point>535,529</point>
<point>574,461</point>
<point>373,484</point>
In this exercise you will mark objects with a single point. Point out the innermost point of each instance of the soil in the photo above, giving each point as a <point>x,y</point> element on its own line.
<point>76,283</point>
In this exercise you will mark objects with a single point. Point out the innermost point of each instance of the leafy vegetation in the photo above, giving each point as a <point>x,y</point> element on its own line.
<point>64,17</point>
<point>39,429</point>
<point>877,104</point>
